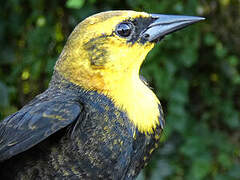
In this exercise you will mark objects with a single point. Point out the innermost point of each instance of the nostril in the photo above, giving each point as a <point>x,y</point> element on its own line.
<point>146,36</point>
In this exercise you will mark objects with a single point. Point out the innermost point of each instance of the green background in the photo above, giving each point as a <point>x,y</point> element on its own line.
<point>194,72</point>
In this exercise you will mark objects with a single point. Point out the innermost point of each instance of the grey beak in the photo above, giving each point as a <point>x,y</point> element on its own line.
<point>166,24</point>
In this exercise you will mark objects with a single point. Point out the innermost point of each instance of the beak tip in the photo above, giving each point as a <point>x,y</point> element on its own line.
<point>200,18</point>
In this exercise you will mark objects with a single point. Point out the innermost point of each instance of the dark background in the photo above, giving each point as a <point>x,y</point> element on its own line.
<point>194,72</point>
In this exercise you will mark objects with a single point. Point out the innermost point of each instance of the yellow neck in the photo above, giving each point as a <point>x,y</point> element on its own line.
<point>141,105</point>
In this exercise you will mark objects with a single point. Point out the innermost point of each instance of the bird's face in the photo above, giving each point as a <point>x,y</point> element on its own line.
<point>112,40</point>
<point>111,46</point>
<point>108,42</point>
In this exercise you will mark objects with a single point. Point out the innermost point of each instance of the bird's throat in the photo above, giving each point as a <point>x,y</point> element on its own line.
<point>132,96</point>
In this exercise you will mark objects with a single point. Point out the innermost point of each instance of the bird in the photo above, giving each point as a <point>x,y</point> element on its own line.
<point>98,119</point>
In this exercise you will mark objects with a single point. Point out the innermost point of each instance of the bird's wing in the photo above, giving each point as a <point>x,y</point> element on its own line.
<point>34,123</point>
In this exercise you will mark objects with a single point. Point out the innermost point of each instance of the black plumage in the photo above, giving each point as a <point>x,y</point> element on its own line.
<point>80,134</point>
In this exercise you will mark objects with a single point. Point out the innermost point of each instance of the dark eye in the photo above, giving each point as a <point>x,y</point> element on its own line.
<point>124,29</point>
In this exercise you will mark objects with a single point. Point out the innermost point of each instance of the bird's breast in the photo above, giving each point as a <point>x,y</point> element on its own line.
<point>106,139</point>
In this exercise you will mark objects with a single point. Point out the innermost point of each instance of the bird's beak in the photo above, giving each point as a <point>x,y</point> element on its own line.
<point>166,24</point>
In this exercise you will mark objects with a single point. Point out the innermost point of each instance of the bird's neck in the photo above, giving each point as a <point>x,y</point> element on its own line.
<point>127,92</point>
<point>131,95</point>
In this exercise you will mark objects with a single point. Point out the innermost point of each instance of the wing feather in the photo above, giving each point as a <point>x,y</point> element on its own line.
<point>34,123</point>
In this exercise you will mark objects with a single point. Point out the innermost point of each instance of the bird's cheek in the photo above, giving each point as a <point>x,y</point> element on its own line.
<point>140,51</point>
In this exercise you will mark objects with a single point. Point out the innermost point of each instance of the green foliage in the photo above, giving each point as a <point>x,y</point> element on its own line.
<point>195,73</point>
<point>75,4</point>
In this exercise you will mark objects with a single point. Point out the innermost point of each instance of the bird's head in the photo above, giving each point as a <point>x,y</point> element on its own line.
<point>105,51</point>
<point>109,47</point>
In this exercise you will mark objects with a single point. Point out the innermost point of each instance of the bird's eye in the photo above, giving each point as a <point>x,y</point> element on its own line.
<point>124,29</point>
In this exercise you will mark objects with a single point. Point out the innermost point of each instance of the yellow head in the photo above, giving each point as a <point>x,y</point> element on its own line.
<point>96,56</point>
<point>104,53</point>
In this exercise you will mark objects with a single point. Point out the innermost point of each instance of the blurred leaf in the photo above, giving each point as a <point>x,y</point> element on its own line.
<point>233,60</point>
<point>220,50</point>
<point>162,170</point>
<point>41,21</point>
<point>231,117</point>
<point>225,160</point>
<point>210,39</point>
<point>75,4</point>
<point>200,167</point>
<point>4,95</point>
<point>7,56</point>
<point>235,171</point>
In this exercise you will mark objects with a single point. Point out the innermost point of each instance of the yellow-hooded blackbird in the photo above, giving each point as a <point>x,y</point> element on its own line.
<point>97,119</point>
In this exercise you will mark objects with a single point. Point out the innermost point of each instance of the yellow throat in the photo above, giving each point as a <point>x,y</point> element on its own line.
<point>97,59</point>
